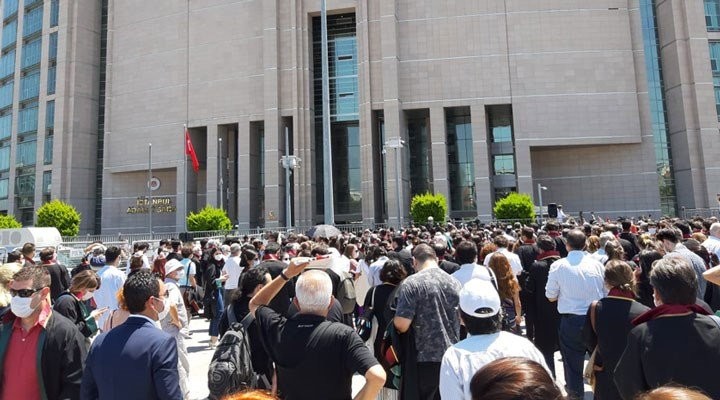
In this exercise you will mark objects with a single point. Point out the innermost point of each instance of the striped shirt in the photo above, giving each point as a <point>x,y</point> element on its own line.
<point>575,281</point>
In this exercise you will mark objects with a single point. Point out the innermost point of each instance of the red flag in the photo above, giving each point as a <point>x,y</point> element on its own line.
<point>190,151</point>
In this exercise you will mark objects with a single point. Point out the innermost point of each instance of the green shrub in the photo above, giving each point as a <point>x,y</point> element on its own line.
<point>209,219</point>
<point>516,207</point>
<point>427,205</point>
<point>60,215</point>
<point>9,222</point>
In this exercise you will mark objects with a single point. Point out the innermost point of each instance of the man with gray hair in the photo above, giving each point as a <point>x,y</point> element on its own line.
<point>675,342</point>
<point>601,254</point>
<point>232,270</point>
<point>315,358</point>
<point>712,244</point>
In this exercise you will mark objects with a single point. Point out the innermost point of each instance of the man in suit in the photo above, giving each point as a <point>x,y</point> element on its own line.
<point>135,360</point>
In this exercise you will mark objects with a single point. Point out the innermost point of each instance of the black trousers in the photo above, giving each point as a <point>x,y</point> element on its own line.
<point>429,380</point>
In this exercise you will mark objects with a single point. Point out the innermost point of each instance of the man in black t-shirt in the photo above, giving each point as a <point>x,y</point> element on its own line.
<point>59,276</point>
<point>315,358</point>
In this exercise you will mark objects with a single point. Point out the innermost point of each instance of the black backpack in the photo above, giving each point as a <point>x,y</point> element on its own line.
<point>231,367</point>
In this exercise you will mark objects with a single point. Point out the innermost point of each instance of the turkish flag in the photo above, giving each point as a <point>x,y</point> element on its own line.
<point>190,151</point>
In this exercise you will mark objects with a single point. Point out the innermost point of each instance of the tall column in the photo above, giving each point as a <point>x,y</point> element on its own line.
<point>394,120</point>
<point>243,171</point>
<point>211,181</point>
<point>368,174</point>
<point>273,200</point>
<point>439,161</point>
<point>483,183</point>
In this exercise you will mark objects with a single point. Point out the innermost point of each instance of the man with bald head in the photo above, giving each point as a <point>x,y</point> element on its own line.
<point>315,358</point>
<point>712,244</point>
<point>574,282</point>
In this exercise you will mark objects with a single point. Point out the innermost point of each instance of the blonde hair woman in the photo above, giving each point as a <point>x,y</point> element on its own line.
<point>6,273</point>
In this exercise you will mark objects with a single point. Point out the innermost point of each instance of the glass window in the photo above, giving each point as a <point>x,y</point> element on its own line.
<point>31,53</point>
<point>418,145</point>
<point>50,115</point>
<point>5,158</point>
<point>25,185</point>
<point>30,85</point>
<point>500,121</point>
<point>32,22</point>
<point>54,13</point>
<point>10,7</point>
<point>715,57</point>
<point>5,126</point>
<point>4,188</point>
<point>28,119</point>
<point>47,182</point>
<point>6,95</point>
<point>712,14</point>
<point>716,86</point>
<point>26,153</point>
<point>51,80</point>
<point>48,150</point>
<point>52,46</point>
<point>28,3</point>
<point>461,166</point>
<point>9,33</point>
<point>504,164</point>
<point>7,64</point>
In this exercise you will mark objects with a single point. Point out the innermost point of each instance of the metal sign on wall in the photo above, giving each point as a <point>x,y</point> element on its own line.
<point>160,205</point>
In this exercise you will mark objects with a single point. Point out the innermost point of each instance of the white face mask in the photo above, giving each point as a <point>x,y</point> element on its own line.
<point>20,306</point>
<point>218,257</point>
<point>88,295</point>
<point>165,311</point>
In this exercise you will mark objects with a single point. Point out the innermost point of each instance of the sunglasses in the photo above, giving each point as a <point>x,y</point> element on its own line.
<point>24,292</point>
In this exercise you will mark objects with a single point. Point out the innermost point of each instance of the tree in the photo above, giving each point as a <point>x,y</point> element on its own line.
<point>515,207</point>
<point>60,215</point>
<point>209,219</point>
<point>427,205</point>
<point>9,222</point>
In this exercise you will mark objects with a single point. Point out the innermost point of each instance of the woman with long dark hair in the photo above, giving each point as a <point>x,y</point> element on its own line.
<point>642,277</point>
<point>213,301</point>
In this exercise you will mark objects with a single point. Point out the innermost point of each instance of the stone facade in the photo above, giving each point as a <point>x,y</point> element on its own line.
<point>574,73</point>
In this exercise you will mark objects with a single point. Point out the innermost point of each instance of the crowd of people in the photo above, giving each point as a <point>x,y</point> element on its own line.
<point>426,312</point>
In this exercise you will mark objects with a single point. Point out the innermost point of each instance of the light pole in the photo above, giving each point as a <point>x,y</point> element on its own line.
<point>149,189</point>
<point>397,144</point>
<point>220,174</point>
<point>540,190</point>
<point>289,163</point>
<point>329,205</point>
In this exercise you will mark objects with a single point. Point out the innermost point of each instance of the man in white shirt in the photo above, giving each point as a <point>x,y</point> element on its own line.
<point>574,282</point>
<point>372,271</point>
<point>112,280</point>
<point>480,313</point>
<point>139,248</point>
<point>502,243</point>
<point>561,217</point>
<point>712,244</point>
<point>232,271</point>
<point>466,255</point>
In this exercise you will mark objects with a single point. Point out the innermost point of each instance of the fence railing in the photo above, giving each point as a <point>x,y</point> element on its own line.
<point>689,213</point>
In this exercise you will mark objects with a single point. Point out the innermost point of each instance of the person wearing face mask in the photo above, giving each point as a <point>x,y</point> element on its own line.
<point>112,280</point>
<point>42,353</point>
<point>175,317</point>
<point>213,301</point>
<point>135,360</point>
<point>72,303</point>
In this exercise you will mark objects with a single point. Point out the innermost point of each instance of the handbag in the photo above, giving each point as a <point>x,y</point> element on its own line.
<point>591,368</point>
<point>364,324</point>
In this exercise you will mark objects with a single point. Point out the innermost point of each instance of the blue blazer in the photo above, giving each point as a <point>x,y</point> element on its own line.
<point>135,360</point>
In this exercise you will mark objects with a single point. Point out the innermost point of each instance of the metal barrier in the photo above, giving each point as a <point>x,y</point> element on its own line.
<point>690,213</point>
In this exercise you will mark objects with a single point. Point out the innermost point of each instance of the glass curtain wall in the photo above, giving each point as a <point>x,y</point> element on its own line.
<point>461,164</point>
<point>345,128</point>
<point>656,94</point>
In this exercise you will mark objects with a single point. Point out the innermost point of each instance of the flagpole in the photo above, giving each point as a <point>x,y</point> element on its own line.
<point>185,159</point>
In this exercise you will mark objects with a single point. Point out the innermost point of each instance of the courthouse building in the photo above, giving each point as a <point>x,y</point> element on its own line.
<point>609,104</point>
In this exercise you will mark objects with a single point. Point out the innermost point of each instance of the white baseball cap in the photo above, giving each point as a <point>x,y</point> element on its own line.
<point>479,298</point>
